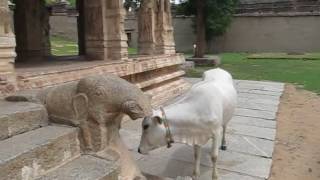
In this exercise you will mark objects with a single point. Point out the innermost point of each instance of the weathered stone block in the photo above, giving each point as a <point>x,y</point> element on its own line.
<point>253,131</point>
<point>87,168</point>
<point>32,154</point>
<point>17,118</point>
<point>256,113</point>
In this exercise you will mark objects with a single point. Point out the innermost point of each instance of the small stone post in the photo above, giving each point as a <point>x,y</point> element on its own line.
<point>7,51</point>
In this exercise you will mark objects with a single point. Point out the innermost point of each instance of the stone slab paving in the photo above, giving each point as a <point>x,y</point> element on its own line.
<point>250,137</point>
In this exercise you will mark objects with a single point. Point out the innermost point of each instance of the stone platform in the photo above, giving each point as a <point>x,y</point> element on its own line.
<point>250,139</point>
<point>157,75</point>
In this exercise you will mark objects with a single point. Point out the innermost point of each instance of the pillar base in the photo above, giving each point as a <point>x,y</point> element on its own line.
<point>7,73</point>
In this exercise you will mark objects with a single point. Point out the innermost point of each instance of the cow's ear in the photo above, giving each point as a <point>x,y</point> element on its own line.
<point>157,120</point>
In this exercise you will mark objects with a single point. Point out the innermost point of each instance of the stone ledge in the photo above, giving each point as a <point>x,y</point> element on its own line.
<point>160,79</point>
<point>167,91</point>
<point>138,64</point>
<point>40,79</point>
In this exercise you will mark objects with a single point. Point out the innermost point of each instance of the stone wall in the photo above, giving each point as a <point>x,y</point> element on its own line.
<point>184,34</point>
<point>246,34</point>
<point>157,75</point>
<point>64,26</point>
<point>270,34</point>
<point>267,6</point>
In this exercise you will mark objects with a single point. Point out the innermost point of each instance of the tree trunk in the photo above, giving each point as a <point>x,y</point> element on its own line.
<point>200,29</point>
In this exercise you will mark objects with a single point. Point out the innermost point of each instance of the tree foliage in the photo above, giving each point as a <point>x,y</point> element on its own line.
<point>133,4</point>
<point>217,13</point>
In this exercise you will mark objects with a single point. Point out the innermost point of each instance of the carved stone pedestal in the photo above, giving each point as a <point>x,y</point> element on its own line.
<point>7,51</point>
<point>7,55</point>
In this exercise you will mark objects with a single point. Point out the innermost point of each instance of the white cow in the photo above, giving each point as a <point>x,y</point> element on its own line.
<point>202,114</point>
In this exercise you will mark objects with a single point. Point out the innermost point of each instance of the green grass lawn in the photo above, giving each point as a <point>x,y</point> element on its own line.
<point>302,70</point>
<point>293,70</point>
<point>63,47</point>
<point>279,56</point>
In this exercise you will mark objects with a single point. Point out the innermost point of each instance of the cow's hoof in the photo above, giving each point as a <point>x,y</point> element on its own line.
<point>223,147</point>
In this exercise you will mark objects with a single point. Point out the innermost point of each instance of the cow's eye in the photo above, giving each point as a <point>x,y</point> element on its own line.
<point>146,126</point>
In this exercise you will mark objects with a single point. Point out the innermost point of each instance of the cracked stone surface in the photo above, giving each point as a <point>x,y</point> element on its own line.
<point>250,138</point>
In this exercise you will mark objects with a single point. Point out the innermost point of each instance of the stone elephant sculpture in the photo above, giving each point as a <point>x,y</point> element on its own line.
<point>96,105</point>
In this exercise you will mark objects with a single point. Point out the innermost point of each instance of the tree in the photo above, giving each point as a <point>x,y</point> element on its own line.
<point>133,4</point>
<point>212,17</point>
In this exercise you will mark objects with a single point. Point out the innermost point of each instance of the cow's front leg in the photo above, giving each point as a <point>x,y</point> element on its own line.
<point>216,141</point>
<point>197,159</point>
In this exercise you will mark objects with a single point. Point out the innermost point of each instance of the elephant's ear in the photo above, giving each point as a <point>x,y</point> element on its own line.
<point>80,106</point>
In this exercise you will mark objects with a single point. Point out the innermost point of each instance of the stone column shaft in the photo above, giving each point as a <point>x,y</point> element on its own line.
<point>146,28</point>
<point>105,38</point>
<point>164,29</point>
<point>116,37</point>
<point>155,28</point>
<point>32,30</point>
<point>95,41</point>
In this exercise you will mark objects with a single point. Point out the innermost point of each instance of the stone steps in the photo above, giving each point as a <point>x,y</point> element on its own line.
<point>84,168</point>
<point>167,91</point>
<point>160,79</point>
<point>20,117</point>
<point>32,154</point>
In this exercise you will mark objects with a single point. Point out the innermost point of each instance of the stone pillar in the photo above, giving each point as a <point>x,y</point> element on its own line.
<point>32,30</point>
<point>105,38</point>
<point>146,27</point>
<point>164,29</point>
<point>116,37</point>
<point>95,39</point>
<point>7,50</point>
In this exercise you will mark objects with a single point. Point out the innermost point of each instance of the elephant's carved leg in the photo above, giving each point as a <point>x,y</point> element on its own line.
<point>129,168</point>
<point>86,136</point>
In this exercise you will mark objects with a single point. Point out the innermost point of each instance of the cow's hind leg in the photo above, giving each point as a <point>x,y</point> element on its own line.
<point>197,158</point>
<point>224,142</point>
<point>214,152</point>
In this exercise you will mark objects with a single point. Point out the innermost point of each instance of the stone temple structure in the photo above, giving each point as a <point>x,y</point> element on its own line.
<point>31,145</point>
<point>26,63</point>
